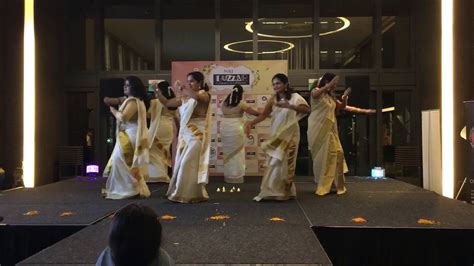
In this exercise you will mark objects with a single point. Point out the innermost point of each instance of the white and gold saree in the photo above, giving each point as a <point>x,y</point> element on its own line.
<point>281,150</point>
<point>232,137</point>
<point>191,167</point>
<point>160,137</point>
<point>329,165</point>
<point>127,167</point>
<point>233,142</point>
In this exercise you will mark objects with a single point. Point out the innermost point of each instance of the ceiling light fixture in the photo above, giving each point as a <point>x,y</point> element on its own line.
<point>346,23</point>
<point>290,46</point>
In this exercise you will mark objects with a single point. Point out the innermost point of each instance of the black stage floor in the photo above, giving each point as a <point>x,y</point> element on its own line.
<point>316,230</point>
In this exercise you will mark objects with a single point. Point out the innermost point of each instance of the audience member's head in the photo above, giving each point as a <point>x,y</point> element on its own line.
<point>135,236</point>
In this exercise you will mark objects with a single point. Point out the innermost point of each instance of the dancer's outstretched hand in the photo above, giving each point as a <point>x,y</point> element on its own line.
<point>247,128</point>
<point>178,85</point>
<point>346,93</point>
<point>112,109</point>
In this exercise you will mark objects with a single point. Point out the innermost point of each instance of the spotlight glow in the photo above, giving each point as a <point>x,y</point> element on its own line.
<point>378,172</point>
<point>29,95</point>
<point>92,169</point>
<point>447,98</point>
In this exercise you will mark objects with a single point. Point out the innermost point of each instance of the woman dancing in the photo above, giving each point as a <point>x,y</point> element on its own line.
<point>127,167</point>
<point>286,109</point>
<point>191,167</point>
<point>161,134</point>
<point>232,134</point>
<point>329,165</point>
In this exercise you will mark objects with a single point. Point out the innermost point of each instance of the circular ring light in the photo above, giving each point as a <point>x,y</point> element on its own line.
<point>346,23</point>
<point>290,46</point>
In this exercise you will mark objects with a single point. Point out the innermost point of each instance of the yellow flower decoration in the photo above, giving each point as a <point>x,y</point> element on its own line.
<point>426,221</point>
<point>167,217</point>
<point>219,217</point>
<point>277,219</point>
<point>31,213</point>
<point>359,220</point>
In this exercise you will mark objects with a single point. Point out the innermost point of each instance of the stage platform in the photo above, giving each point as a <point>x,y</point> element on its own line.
<point>315,230</point>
